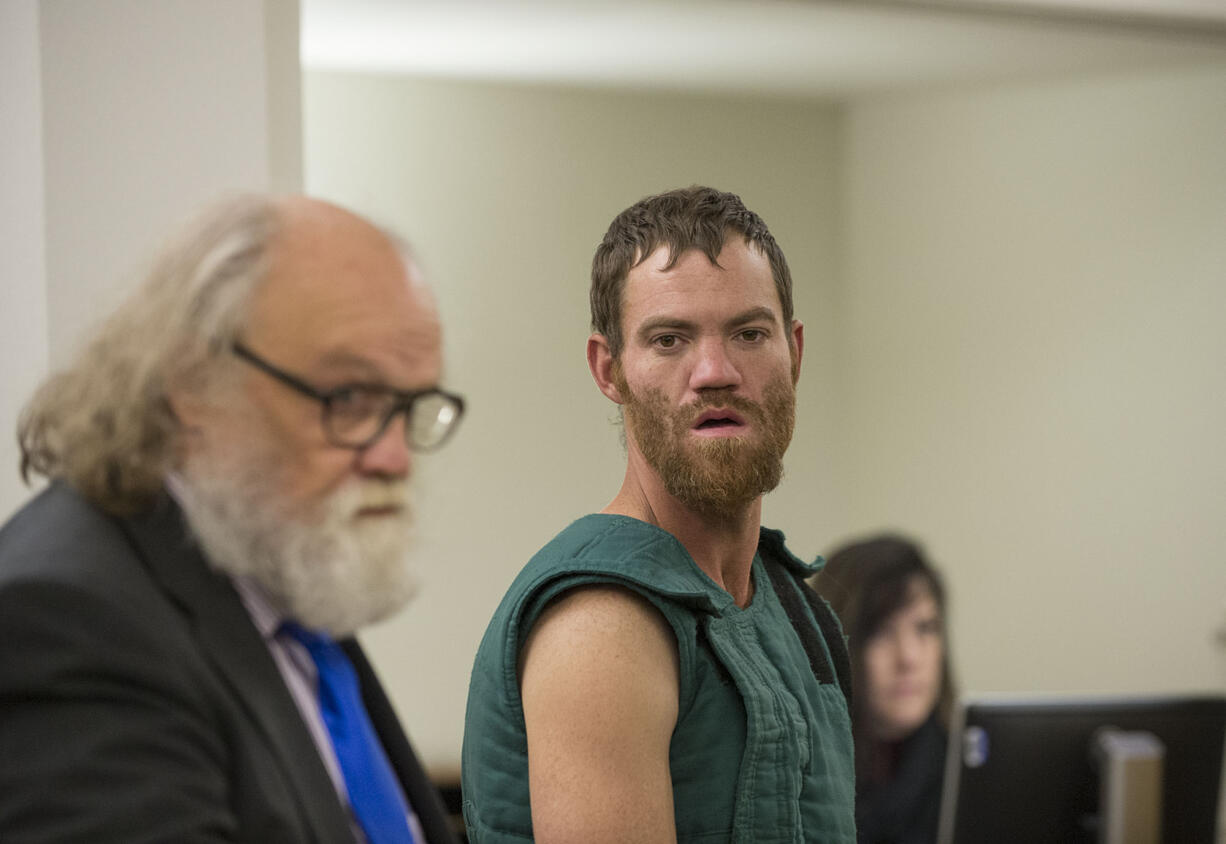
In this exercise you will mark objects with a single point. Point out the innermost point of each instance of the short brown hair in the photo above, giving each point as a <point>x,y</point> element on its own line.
<point>688,218</point>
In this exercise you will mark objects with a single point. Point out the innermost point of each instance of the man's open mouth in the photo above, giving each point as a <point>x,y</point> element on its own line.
<point>717,420</point>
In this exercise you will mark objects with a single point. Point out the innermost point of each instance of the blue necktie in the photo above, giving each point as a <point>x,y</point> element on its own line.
<point>374,792</point>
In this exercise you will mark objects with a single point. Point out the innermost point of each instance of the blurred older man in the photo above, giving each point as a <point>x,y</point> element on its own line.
<point>229,463</point>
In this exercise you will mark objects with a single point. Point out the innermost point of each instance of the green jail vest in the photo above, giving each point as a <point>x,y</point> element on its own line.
<point>762,749</point>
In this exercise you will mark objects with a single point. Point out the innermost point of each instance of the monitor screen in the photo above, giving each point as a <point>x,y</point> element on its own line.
<point>1023,770</point>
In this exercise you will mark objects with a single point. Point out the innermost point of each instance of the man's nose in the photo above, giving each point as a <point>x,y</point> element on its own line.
<point>713,366</point>
<point>389,456</point>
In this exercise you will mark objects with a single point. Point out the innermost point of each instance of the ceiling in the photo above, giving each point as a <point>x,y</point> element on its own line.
<point>776,47</point>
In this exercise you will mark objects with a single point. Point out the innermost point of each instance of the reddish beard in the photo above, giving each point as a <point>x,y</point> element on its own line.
<point>713,476</point>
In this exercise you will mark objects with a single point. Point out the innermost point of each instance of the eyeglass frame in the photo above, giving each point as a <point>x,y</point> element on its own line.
<point>403,404</point>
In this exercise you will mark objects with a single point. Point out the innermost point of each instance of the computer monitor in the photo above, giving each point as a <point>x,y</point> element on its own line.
<point>1024,770</point>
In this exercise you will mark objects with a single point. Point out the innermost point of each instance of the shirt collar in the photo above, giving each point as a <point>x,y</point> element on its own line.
<point>254,597</point>
<point>265,617</point>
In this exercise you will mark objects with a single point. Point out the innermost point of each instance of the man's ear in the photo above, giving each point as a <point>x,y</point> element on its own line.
<point>191,401</point>
<point>187,408</point>
<point>601,362</point>
<point>191,412</point>
<point>798,348</point>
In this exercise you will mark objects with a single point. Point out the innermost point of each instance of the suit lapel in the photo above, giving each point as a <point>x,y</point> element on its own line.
<point>422,793</point>
<point>240,657</point>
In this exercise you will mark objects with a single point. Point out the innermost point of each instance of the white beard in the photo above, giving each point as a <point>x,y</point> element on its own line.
<point>329,569</point>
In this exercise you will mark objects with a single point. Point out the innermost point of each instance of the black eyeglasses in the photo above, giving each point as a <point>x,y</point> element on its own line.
<point>356,415</point>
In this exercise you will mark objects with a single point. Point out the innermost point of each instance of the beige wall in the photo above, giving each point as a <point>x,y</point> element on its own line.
<point>1031,369</point>
<point>507,192</point>
<point>1012,295</point>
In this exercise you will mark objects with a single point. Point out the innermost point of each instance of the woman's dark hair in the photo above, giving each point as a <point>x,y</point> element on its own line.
<point>866,582</point>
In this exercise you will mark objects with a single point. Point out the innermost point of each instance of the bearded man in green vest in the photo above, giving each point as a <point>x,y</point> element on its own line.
<point>659,671</point>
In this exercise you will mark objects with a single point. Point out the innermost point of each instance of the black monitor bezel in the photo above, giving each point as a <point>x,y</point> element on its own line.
<point>1079,715</point>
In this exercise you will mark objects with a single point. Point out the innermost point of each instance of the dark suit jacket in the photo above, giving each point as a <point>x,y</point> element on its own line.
<point>139,703</point>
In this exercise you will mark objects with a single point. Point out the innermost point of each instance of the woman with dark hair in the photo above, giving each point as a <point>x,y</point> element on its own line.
<point>892,605</point>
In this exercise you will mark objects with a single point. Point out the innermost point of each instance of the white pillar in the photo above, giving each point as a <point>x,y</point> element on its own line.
<point>121,119</point>
<point>23,296</point>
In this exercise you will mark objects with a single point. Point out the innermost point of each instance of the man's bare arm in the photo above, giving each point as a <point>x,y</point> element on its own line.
<point>599,681</point>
